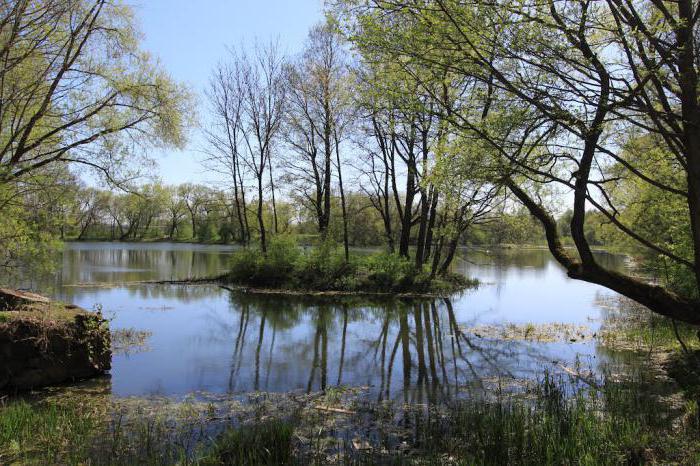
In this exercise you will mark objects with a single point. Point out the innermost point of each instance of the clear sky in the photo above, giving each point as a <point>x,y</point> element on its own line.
<point>190,37</point>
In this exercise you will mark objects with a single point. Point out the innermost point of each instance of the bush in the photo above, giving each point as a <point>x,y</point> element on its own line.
<point>324,268</point>
<point>252,267</point>
<point>278,266</point>
<point>244,266</point>
<point>389,272</point>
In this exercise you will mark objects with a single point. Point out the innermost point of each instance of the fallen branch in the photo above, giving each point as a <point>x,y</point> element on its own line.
<point>334,410</point>
<point>579,376</point>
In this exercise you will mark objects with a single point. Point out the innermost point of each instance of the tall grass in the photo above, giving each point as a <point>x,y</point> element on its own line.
<point>266,443</point>
<point>47,434</point>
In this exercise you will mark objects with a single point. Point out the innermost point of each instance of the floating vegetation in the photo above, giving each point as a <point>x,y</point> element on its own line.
<point>130,340</point>
<point>629,326</point>
<point>550,332</point>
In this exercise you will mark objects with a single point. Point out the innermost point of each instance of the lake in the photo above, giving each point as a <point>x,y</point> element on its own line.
<point>205,339</point>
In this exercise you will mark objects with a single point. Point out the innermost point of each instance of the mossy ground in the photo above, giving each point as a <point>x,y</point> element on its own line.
<point>53,313</point>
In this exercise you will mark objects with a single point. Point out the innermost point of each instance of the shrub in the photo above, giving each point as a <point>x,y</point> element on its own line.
<point>389,272</point>
<point>324,268</point>
<point>244,266</point>
<point>278,266</point>
<point>251,267</point>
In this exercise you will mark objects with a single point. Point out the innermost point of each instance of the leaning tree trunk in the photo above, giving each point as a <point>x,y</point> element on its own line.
<point>261,221</point>
<point>342,201</point>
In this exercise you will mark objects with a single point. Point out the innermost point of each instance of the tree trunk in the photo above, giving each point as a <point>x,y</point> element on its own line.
<point>261,221</point>
<point>435,196</point>
<point>449,255</point>
<point>423,229</point>
<point>690,109</point>
<point>342,201</point>
<point>272,188</point>
<point>246,238</point>
<point>407,219</point>
<point>327,157</point>
<point>656,298</point>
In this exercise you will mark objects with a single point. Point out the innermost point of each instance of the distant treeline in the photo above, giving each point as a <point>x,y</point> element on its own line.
<point>198,213</point>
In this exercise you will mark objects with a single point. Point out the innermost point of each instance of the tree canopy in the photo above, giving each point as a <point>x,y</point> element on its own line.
<point>562,89</point>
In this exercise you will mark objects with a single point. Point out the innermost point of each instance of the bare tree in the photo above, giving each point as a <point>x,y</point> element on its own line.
<point>225,137</point>
<point>317,118</point>
<point>262,94</point>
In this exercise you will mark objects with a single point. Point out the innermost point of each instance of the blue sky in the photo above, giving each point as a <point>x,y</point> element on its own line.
<point>190,37</point>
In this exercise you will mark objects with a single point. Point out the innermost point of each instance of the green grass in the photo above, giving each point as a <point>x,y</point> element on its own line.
<point>44,434</point>
<point>266,443</point>
<point>555,423</point>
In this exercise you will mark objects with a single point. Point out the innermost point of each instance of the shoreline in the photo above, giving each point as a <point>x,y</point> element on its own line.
<point>218,281</point>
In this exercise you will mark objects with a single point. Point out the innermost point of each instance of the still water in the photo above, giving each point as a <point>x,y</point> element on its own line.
<point>206,339</point>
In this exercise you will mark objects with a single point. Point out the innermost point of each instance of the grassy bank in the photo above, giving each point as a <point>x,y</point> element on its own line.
<point>45,343</point>
<point>553,422</point>
<point>324,268</point>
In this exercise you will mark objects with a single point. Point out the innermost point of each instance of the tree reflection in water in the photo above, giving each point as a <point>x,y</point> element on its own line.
<point>206,339</point>
<point>417,352</point>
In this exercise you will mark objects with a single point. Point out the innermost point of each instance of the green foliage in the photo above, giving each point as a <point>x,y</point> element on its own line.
<point>657,215</point>
<point>265,443</point>
<point>30,219</point>
<point>282,256</point>
<point>244,266</point>
<point>252,267</point>
<point>323,268</point>
<point>391,272</point>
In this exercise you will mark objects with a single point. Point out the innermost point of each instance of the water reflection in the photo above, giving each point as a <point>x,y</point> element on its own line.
<point>205,338</point>
<point>209,339</point>
<point>102,262</point>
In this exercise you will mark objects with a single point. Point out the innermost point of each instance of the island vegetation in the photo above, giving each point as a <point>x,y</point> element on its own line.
<point>411,128</point>
<point>325,269</point>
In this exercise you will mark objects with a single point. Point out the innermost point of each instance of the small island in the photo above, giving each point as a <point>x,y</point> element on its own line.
<point>324,269</point>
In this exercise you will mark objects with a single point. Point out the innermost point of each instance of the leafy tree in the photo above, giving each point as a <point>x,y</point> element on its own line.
<point>75,89</point>
<point>566,85</point>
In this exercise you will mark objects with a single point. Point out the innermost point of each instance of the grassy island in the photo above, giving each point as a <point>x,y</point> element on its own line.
<point>325,269</point>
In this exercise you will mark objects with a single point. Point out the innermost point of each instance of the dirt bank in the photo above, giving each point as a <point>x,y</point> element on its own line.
<point>46,343</point>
